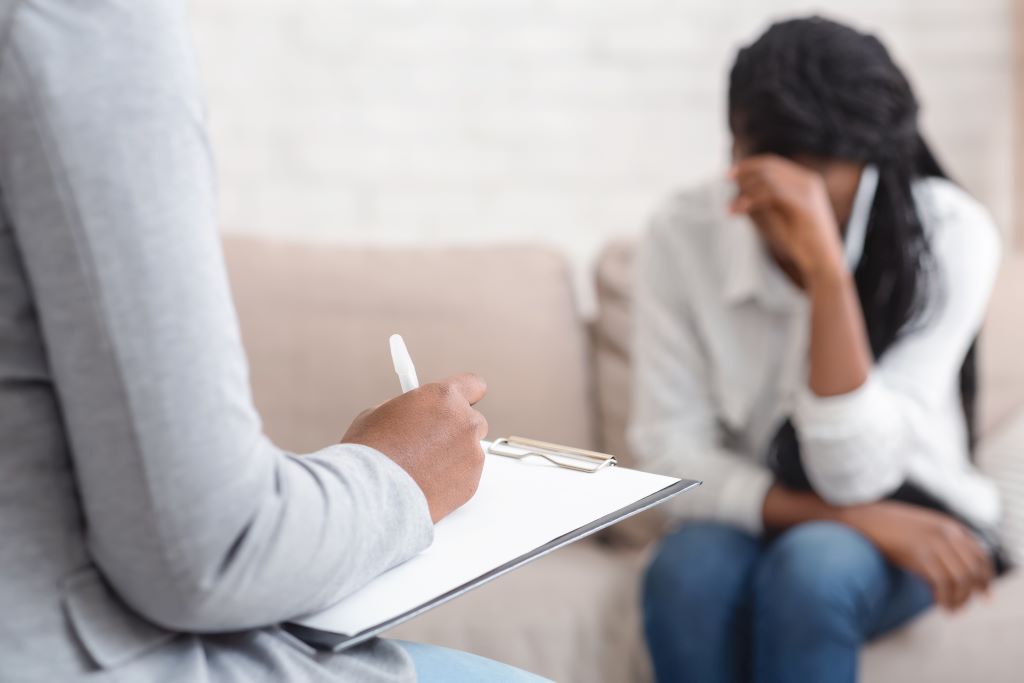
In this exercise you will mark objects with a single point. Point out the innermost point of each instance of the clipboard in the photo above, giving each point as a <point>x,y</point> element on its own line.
<point>567,457</point>
<point>557,484</point>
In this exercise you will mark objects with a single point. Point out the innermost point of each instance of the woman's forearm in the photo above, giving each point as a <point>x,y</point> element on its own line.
<point>784,508</point>
<point>840,356</point>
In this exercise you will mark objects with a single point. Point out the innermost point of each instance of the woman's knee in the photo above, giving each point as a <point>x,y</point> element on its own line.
<point>817,567</point>
<point>700,563</point>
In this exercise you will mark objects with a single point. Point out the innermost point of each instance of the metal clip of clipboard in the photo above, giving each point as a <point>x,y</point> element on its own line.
<point>566,457</point>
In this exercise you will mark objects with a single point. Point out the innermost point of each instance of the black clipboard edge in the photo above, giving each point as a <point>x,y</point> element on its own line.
<point>338,642</point>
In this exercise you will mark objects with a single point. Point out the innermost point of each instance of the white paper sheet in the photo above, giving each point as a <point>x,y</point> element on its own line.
<point>519,506</point>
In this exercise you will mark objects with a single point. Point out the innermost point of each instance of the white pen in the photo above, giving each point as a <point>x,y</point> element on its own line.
<point>404,368</point>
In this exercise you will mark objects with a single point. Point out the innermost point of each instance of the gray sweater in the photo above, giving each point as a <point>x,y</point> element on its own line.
<point>149,529</point>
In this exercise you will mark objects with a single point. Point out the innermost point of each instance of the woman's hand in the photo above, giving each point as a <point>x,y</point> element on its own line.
<point>433,433</point>
<point>930,544</point>
<point>790,206</point>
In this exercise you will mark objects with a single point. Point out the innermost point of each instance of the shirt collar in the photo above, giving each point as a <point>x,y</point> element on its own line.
<point>857,226</point>
<point>750,272</point>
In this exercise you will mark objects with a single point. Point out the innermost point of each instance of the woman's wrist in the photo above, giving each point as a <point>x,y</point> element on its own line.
<point>828,277</point>
<point>849,515</point>
<point>785,507</point>
<point>840,355</point>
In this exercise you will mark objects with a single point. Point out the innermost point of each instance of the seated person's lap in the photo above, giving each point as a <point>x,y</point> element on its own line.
<point>440,665</point>
<point>811,566</point>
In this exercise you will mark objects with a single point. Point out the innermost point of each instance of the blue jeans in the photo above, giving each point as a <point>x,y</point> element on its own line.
<point>721,605</point>
<point>440,665</point>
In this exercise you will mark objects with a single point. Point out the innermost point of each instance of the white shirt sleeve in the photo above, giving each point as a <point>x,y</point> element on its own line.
<point>856,446</point>
<point>673,427</point>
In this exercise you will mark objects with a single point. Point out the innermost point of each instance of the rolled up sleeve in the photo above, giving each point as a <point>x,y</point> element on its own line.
<point>848,442</point>
<point>856,447</point>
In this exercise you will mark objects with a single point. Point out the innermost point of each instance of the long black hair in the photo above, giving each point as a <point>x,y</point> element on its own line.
<point>815,87</point>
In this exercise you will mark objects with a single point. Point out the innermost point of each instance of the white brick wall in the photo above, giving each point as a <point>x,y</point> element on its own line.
<point>565,121</point>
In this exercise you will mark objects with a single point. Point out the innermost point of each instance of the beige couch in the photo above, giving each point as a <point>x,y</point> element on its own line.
<point>315,320</point>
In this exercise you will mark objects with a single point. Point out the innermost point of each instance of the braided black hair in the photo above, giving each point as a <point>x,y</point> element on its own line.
<point>815,87</point>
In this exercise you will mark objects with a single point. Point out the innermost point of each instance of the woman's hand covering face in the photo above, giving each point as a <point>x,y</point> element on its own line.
<point>790,206</point>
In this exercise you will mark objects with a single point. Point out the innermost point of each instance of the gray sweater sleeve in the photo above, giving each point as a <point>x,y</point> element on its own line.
<point>194,517</point>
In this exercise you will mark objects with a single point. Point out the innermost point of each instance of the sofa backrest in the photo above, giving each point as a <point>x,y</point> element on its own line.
<point>316,319</point>
<point>1001,352</point>
<point>1002,348</point>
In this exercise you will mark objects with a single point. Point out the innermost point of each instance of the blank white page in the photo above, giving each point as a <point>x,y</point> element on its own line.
<point>519,506</point>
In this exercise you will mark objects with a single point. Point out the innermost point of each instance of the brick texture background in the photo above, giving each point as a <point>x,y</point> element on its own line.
<point>561,121</point>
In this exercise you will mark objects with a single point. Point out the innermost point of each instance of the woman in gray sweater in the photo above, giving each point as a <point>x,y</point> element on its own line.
<point>150,531</point>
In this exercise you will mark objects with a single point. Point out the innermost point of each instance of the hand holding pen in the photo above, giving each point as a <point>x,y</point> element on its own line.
<point>432,432</point>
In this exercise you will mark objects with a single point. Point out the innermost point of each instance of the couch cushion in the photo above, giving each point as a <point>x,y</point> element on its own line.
<point>316,318</point>
<point>1001,456</point>
<point>979,643</point>
<point>612,331</point>
<point>1002,347</point>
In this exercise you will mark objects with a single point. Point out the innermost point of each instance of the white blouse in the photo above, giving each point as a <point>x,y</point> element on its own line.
<point>721,343</point>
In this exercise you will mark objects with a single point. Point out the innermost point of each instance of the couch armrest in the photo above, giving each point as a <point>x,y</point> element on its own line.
<point>1001,457</point>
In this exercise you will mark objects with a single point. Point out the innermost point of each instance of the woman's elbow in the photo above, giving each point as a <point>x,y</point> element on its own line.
<point>176,614</point>
<point>852,480</point>
<point>191,609</point>
<point>183,601</point>
<point>846,495</point>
